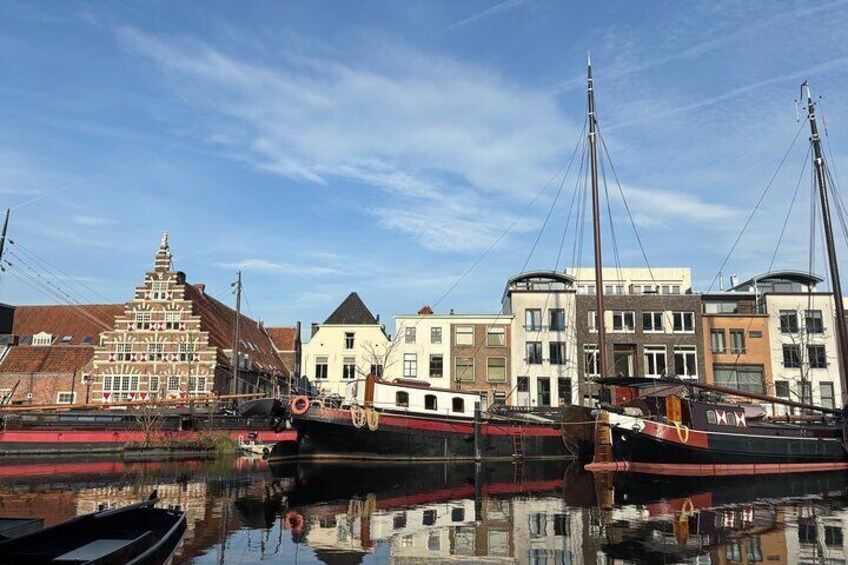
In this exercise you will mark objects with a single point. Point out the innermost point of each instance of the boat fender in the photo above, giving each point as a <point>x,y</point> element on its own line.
<point>372,417</point>
<point>299,405</point>
<point>682,432</point>
<point>357,416</point>
<point>294,520</point>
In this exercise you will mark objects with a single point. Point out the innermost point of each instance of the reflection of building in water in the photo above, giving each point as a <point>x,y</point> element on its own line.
<point>190,496</point>
<point>521,530</point>
<point>817,535</point>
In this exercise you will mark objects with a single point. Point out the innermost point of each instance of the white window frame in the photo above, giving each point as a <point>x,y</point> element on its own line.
<point>623,315</point>
<point>464,336</point>
<point>655,315</point>
<point>489,369</point>
<point>410,365</point>
<point>173,320</point>
<point>409,335</point>
<point>456,371</point>
<point>348,368</point>
<point>142,319</point>
<point>683,317</point>
<point>71,393</point>
<point>196,386</point>
<point>155,351</point>
<point>159,290</point>
<point>173,383</point>
<point>123,350</point>
<point>687,350</point>
<point>592,321</point>
<point>42,339</point>
<point>655,352</point>
<point>436,335</point>
<point>499,334</point>
<point>322,361</point>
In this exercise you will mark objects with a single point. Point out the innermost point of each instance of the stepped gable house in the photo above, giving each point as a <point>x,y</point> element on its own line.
<point>173,340</point>
<point>46,352</point>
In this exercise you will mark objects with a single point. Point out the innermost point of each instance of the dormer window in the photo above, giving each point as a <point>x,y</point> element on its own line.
<point>42,338</point>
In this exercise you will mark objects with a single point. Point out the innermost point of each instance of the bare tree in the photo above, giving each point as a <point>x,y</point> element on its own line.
<point>379,357</point>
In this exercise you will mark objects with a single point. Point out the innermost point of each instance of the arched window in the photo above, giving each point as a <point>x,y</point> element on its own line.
<point>458,405</point>
<point>430,402</point>
<point>402,399</point>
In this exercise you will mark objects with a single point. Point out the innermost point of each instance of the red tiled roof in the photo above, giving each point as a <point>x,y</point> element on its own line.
<point>219,320</point>
<point>47,359</point>
<point>283,337</point>
<point>75,321</point>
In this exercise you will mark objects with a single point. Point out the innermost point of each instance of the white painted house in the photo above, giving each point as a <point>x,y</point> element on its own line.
<point>350,344</point>
<point>544,342</point>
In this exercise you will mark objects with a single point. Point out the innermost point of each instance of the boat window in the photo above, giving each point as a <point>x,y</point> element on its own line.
<point>458,405</point>
<point>430,402</point>
<point>402,399</point>
<point>711,417</point>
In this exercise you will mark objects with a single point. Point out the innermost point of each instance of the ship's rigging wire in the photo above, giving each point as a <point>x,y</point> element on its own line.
<point>756,208</point>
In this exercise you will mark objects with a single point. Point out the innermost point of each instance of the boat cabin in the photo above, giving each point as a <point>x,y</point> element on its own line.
<point>418,398</point>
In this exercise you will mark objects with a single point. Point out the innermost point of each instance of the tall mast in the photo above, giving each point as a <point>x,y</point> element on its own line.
<point>237,285</point>
<point>596,222</point>
<point>821,177</point>
<point>3,237</point>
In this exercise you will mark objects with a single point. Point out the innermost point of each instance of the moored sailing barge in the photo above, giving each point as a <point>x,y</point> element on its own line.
<point>413,421</point>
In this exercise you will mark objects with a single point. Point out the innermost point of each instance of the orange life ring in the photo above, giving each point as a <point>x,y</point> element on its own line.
<point>299,405</point>
<point>294,520</point>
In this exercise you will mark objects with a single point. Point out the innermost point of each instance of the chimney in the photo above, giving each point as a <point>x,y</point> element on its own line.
<point>451,312</point>
<point>720,281</point>
<point>314,329</point>
<point>734,280</point>
<point>425,310</point>
<point>181,277</point>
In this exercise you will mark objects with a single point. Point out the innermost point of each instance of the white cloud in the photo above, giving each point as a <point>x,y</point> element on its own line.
<point>654,207</point>
<point>408,125</point>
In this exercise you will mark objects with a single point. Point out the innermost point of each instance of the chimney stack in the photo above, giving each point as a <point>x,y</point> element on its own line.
<point>734,280</point>
<point>314,329</point>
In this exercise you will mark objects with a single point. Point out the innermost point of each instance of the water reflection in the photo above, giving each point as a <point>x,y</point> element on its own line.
<point>245,511</point>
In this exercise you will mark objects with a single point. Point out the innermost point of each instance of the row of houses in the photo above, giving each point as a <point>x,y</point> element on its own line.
<point>171,340</point>
<point>772,334</point>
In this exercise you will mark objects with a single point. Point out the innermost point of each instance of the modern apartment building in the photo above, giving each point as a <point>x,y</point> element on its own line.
<point>544,352</point>
<point>802,338</point>
<point>470,352</point>
<point>737,344</point>
<point>350,344</point>
<point>634,280</point>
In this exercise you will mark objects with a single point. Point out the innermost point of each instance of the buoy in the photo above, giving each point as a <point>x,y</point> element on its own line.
<point>299,405</point>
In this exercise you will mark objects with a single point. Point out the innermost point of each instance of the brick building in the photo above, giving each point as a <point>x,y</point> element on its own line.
<point>286,340</point>
<point>47,351</point>
<point>173,340</point>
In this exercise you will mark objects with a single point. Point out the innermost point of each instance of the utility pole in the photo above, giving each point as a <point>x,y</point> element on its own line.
<point>596,222</point>
<point>237,285</point>
<point>821,177</point>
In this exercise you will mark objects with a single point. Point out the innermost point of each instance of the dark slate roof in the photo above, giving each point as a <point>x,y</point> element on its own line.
<point>352,312</point>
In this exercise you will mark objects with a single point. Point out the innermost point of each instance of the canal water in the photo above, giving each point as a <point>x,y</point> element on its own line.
<point>250,511</point>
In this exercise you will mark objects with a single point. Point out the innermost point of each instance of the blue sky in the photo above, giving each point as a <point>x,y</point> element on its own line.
<point>382,147</point>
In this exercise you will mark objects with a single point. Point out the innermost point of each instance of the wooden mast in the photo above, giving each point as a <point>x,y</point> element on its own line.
<point>821,177</point>
<point>596,223</point>
<point>234,386</point>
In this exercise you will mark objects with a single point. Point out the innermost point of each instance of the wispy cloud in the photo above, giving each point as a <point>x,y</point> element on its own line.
<point>273,267</point>
<point>93,221</point>
<point>653,207</point>
<point>409,125</point>
<point>498,8</point>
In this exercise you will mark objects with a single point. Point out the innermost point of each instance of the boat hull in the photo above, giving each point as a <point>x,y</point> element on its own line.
<point>329,433</point>
<point>651,447</point>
